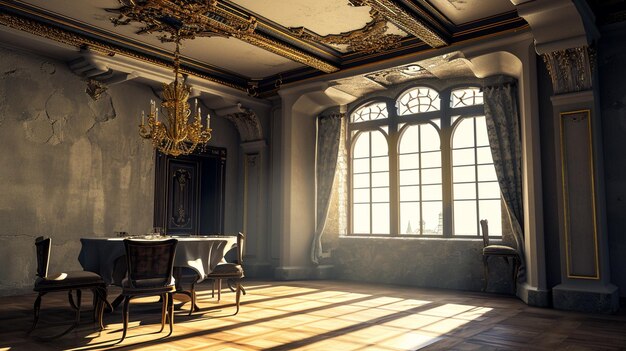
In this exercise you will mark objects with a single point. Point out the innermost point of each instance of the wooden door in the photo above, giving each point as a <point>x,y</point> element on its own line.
<point>189,192</point>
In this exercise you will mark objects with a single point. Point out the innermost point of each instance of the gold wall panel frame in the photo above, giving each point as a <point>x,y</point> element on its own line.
<point>566,210</point>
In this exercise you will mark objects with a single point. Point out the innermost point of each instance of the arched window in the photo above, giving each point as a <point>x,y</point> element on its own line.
<point>370,183</point>
<point>476,190</point>
<point>424,167</point>
<point>420,181</point>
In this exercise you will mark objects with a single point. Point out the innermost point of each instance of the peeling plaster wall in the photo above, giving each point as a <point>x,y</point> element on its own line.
<point>70,167</point>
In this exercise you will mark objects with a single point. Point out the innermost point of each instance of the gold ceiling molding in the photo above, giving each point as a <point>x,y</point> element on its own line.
<point>369,39</point>
<point>188,20</point>
<point>81,42</point>
<point>404,20</point>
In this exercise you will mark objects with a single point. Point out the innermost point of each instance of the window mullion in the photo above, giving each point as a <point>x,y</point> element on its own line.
<point>446,165</point>
<point>476,178</point>
<point>394,188</point>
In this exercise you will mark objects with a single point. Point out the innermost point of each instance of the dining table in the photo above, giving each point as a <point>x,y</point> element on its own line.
<point>199,252</point>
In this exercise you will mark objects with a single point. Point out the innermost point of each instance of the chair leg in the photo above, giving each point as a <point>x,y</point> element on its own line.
<point>238,296</point>
<point>36,309</point>
<point>516,265</point>
<point>170,297</point>
<point>194,307</point>
<point>485,272</point>
<point>213,288</point>
<point>71,299</point>
<point>125,317</point>
<point>79,294</point>
<point>219,290</point>
<point>163,310</point>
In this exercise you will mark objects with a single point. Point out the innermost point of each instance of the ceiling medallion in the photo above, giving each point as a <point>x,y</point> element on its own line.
<point>369,39</point>
<point>205,18</point>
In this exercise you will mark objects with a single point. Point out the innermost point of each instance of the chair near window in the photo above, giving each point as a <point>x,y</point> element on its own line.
<point>503,251</point>
<point>150,264</point>
<point>232,272</point>
<point>66,281</point>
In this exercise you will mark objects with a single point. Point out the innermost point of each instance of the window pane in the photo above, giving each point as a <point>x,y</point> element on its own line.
<point>380,222</point>
<point>379,144</point>
<point>380,195</point>
<point>429,138</point>
<point>431,176</point>
<point>463,134</point>
<point>361,181</point>
<point>489,190</point>
<point>409,141</point>
<point>492,211</point>
<point>418,100</point>
<point>463,157</point>
<point>409,177</point>
<point>484,155</point>
<point>465,191</point>
<point>380,164</point>
<point>466,97</point>
<point>410,218</point>
<point>465,221</point>
<point>463,174</point>
<point>361,219</point>
<point>431,159</point>
<point>431,192</point>
<point>380,179</point>
<point>409,193</point>
<point>361,165</point>
<point>370,112</point>
<point>482,139</point>
<point>362,145</point>
<point>487,172</point>
<point>433,218</point>
<point>361,196</point>
<point>410,161</point>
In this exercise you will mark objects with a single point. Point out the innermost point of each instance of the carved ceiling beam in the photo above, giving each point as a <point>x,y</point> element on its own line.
<point>404,20</point>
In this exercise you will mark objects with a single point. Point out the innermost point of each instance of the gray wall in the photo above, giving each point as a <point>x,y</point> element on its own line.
<point>438,263</point>
<point>71,167</point>
<point>612,74</point>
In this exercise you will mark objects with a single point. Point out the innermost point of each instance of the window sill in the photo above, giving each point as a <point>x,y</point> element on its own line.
<point>410,238</point>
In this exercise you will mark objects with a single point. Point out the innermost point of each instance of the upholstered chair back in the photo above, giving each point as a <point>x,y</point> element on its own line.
<point>43,255</point>
<point>150,263</point>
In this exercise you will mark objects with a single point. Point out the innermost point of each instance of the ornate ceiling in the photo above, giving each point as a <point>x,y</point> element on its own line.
<point>255,45</point>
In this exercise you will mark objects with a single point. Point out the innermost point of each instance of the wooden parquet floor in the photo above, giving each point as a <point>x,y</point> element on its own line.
<point>320,315</point>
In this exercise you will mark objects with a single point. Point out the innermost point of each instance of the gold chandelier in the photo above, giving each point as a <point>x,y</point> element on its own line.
<point>175,135</point>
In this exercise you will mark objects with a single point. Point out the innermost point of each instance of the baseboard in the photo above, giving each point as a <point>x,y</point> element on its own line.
<point>592,299</point>
<point>304,272</point>
<point>533,296</point>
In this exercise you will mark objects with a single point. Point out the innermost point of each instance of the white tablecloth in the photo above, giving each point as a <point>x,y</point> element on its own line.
<point>201,253</point>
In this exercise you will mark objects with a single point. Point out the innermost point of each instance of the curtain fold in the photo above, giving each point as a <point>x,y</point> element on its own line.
<point>503,128</point>
<point>327,151</point>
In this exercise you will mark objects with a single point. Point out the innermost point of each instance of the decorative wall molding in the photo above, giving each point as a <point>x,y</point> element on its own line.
<point>571,70</point>
<point>404,20</point>
<point>369,39</point>
<point>95,89</point>
<point>246,122</point>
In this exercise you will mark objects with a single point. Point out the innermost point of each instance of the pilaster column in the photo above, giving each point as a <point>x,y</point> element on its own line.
<point>299,107</point>
<point>585,272</point>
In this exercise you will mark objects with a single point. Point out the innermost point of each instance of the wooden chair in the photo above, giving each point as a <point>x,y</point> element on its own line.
<point>503,251</point>
<point>232,272</point>
<point>150,265</point>
<point>66,281</point>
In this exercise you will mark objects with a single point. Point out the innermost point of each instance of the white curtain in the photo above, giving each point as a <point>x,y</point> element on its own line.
<point>327,151</point>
